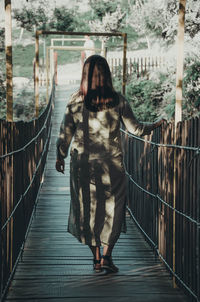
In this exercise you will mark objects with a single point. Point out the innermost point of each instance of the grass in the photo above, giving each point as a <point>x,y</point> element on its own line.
<point>23,56</point>
<point>23,60</point>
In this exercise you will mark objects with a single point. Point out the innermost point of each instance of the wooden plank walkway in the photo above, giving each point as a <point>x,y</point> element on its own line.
<point>56,267</point>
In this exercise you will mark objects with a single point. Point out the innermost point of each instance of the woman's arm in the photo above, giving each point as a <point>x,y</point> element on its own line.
<point>132,124</point>
<point>148,127</point>
<point>67,130</point>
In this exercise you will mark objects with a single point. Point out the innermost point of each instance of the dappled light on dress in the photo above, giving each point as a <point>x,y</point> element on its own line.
<point>97,175</point>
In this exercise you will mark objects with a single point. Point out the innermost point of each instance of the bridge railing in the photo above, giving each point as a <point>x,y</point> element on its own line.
<point>164,197</point>
<point>23,152</point>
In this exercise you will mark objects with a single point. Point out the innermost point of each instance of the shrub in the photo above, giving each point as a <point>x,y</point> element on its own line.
<point>153,97</point>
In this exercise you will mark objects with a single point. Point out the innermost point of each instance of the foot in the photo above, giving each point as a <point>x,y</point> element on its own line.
<point>97,265</point>
<point>106,263</point>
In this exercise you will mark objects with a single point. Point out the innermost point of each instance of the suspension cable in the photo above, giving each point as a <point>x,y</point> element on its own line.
<point>32,180</point>
<point>197,149</point>
<point>33,139</point>
<point>162,201</point>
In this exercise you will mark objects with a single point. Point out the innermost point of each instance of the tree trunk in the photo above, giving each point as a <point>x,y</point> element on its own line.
<point>180,55</point>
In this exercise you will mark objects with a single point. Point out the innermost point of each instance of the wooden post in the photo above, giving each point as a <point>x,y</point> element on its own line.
<point>102,47</point>
<point>47,75</point>
<point>55,67</point>
<point>178,110</point>
<point>8,50</point>
<point>36,74</point>
<point>124,64</point>
<point>9,99</point>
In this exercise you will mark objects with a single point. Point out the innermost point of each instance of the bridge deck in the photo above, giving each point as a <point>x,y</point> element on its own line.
<point>56,267</point>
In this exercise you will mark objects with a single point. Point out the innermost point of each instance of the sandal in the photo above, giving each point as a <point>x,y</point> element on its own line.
<point>108,264</point>
<point>97,265</point>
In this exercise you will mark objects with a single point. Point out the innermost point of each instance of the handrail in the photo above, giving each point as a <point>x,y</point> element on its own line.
<point>12,213</point>
<point>30,184</point>
<point>33,139</point>
<point>162,201</point>
<point>197,149</point>
<point>30,187</point>
<point>155,247</point>
<point>157,227</point>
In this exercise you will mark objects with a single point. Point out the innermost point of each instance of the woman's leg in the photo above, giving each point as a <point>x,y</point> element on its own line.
<point>106,260</point>
<point>107,250</point>
<point>97,258</point>
<point>96,252</point>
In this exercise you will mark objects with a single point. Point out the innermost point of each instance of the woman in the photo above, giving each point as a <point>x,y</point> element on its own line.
<point>97,175</point>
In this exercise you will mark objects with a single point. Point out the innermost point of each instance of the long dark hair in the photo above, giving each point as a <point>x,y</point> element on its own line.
<point>96,85</point>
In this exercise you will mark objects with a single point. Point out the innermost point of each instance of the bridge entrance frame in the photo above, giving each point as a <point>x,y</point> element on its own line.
<point>50,59</point>
<point>63,33</point>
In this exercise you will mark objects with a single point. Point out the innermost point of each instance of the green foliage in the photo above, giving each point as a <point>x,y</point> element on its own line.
<point>101,7</point>
<point>162,21</point>
<point>2,97</point>
<point>30,17</point>
<point>2,39</point>
<point>63,19</point>
<point>150,97</point>
<point>27,54</point>
<point>154,96</point>
<point>24,105</point>
<point>82,21</point>
<point>191,86</point>
<point>110,22</point>
<point>143,97</point>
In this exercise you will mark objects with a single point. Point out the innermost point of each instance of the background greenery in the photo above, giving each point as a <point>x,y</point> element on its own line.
<point>145,24</point>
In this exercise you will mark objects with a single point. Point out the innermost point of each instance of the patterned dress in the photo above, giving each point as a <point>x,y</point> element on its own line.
<point>97,175</point>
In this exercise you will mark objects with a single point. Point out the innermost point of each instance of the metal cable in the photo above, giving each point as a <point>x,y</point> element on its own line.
<point>197,149</point>
<point>141,229</point>
<point>33,139</point>
<point>20,251</point>
<point>163,201</point>
<point>32,180</point>
<point>154,245</point>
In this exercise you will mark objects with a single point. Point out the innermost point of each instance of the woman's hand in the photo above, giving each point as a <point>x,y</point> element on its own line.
<point>159,122</point>
<point>60,165</point>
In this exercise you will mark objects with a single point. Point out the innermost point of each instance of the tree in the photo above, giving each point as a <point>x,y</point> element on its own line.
<point>101,7</point>
<point>136,20</point>
<point>161,19</point>
<point>33,15</point>
<point>111,22</point>
<point>63,19</point>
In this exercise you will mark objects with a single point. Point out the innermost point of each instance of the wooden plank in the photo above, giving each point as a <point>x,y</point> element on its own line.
<point>137,298</point>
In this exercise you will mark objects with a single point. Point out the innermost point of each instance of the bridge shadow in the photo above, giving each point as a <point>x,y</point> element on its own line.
<point>56,267</point>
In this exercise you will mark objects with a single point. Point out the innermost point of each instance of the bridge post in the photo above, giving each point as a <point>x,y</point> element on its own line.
<point>55,57</point>
<point>37,74</point>
<point>178,110</point>
<point>47,75</point>
<point>8,50</point>
<point>124,63</point>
